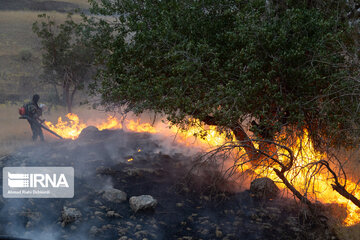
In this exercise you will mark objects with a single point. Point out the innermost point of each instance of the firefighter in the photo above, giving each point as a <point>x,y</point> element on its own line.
<point>34,112</point>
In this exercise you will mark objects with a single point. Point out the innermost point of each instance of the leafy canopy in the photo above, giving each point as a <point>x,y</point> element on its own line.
<point>227,60</point>
<point>67,57</point>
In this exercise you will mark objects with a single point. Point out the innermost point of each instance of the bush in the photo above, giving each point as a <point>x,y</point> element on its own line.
<point>25,55</point>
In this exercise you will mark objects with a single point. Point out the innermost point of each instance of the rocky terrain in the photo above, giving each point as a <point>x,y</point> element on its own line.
<point>129,186</point>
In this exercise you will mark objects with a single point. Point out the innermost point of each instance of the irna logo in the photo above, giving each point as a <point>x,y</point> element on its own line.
<point>20,180</point>
<point>38,182</point>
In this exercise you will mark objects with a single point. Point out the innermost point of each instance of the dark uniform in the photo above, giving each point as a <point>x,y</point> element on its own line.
<point>34,111</point>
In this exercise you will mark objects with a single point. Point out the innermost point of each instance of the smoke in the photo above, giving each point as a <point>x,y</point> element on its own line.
<point>137,163</point>
<point>92,156</point>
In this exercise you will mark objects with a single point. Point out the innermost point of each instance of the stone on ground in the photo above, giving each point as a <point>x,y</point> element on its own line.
<point>264,189</point>
<point>89,132</point>
<point>142,202</point>
<point>70,215</point>
<point>114,195</point>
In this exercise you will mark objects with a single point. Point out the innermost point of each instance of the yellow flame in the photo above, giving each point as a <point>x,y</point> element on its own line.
<point>319,188</point>
<point>67,129</point>
<point>208,136</point>
<point>111,123</point>
<point>137,127</point>
<point>72,128</point>
<point>304,151</point>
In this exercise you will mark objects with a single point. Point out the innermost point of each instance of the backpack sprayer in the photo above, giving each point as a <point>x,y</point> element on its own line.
<point>24,115</point>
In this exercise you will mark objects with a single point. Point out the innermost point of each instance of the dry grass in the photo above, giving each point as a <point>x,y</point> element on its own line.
<point>14,132</point>
<point>17,77</point>
<point>81,3</point>
<point>16,31</point>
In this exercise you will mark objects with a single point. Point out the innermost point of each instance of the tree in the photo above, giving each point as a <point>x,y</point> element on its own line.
<point>67,58</point>
<point>276,68</point>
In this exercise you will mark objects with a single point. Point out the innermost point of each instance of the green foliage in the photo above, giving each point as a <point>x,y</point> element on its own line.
<point>67,57</point>
<point>224,61</point>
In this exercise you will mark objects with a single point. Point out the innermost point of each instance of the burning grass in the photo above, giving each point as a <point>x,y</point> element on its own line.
<point>101,160</point>
<point>307,174</point>
<point>318,189</point>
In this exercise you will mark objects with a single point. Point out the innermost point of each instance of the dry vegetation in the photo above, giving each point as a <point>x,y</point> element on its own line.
<point>80,3</point>
<point>16,33</point>
<point>19,78</point>
<point>14,133</point>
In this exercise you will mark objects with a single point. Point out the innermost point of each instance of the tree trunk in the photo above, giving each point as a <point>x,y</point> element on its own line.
<point>71,99</point>
<point>267,151</point>
<point>249,147</point>
<point>67,97</point>
<point>57,97</point>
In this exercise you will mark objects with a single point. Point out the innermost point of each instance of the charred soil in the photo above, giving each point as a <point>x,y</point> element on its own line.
<point>137,164</point>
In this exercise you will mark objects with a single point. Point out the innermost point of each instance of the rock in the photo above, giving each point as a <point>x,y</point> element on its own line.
<point>29,224</point>
<point>89,132</point>
<point>112,214</point>
<point>204,231</point>
<point>122,231</point>
<point>70,215</point>
<point>264,189</point>
<point>98,213</point>
<point>140,171</point>
<point>141,234</point>
<point>107,227</point>
<point>142,202</point>
<point>94,231</point>
<point>114,195</point>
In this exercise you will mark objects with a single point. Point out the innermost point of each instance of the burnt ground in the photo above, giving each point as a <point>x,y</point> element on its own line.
<point>100,160</point>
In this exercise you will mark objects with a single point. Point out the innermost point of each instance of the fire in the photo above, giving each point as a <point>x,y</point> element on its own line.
<point>67,129</point>
<point>137,127</point>
<point>111,123</point>
<point>316,187</point>
<point>71,129</point>
<point>206,136</point>
<point>319,189</point>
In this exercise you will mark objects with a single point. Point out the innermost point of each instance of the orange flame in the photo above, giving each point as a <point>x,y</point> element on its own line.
<point>67,129</point>
<point>316,187</point>
<point>137,127</point>
<point>304,151</point>
<point>320,189</point>
<point>71,129</point>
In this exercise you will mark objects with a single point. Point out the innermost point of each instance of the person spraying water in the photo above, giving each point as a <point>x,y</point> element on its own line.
<point>32,111</point>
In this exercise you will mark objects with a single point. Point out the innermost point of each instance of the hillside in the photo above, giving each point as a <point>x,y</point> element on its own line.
<point>20,50</point>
